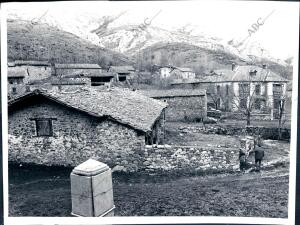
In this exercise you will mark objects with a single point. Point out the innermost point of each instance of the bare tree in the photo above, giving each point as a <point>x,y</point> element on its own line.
<point>281,119</point>
<point>247,98</point>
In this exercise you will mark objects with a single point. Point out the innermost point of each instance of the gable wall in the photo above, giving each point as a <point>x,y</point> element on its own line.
<point>187,108</point>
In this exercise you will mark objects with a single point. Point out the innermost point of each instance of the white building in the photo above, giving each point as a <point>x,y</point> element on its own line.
<point>233,89</point>
<point>177,72</point>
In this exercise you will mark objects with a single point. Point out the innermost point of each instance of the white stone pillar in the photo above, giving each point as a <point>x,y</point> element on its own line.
<point>235,99</point>
<point>270,100</point>
<point>252,88</point>
<point>270,94</point>
<point>91,190</point>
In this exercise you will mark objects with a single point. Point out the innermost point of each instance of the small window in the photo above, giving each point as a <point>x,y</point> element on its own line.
<point>218,90</point>
<point>257,104</point>
<point>122,78</point>
<point>244,90</point>
<point>44,127</point>
<point>257,89</point>
<point>14,90</point>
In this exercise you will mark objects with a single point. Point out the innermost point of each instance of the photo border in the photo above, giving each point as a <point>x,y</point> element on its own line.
<point>143,220</point>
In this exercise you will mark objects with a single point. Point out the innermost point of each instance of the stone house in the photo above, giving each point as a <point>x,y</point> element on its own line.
<point>62,127</point>
<point>20,73</point>
<point>176,72</point>
<point>123,73</point>
<point>242,86</point>
<point>183,104</point>
<point>90,74</point>
<point>31,70</point>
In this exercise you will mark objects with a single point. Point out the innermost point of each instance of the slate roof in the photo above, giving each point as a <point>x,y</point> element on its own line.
<point>77,74</point>
<point>16,72</point>
<point>122,69</point>
<point>77,66</point>
<point>240,74</point>
<point>124,106</point>
<point>31,63</point>
<point>184,69</point>
<point>172,93</point>
<point>102,74</point>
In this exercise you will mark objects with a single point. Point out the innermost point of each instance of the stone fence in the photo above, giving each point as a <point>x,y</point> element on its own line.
<point>167,158</point>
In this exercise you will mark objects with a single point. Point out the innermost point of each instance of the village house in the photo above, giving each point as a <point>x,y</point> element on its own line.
<point>183,104</point>
<point>123,73</point>
<point>233,89</point>
<point>21,72</point>
<point>176,72</point>
<point>60,127</point>
<point>93,74</point>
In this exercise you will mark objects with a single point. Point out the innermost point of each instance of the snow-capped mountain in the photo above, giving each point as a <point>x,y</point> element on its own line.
<point>107,32</point>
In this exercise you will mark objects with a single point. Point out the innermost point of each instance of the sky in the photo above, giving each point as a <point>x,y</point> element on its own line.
<point>224,19</point>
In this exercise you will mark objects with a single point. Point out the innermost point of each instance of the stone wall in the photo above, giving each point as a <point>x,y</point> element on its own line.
<point>241,116</point>
<point>76,138</point>
<point>190,159</point>
<point>264,131</point>
<point>31,72</point>
<point>187,108</point>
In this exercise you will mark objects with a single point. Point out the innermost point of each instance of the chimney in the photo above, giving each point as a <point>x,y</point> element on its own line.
<point>233,66</point>
<point>264,66</point>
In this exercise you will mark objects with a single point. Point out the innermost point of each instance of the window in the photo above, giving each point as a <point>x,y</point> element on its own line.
<point>252,72</point>
<point>257,104</point>
<point>218,90</point>
<point>227,89</point>
<point>277,90</point>
<point>243,103</point>
<point>122,78</point>
<point>14,90</point>
<point>244,90</point>
<point>257,89</point>
<point>44,127</point>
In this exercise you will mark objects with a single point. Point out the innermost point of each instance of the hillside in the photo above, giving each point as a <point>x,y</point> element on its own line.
<point>202,60</point>
<point>44,42</point>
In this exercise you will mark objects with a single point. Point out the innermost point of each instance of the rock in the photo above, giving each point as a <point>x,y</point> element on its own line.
<point>118,168</point>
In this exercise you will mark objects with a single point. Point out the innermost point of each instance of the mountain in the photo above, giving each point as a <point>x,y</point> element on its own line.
<point>38,41</point>
<point>130,39</point>
<point>202,60</point>
<point>112,32</point>
<point>142,45</point>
